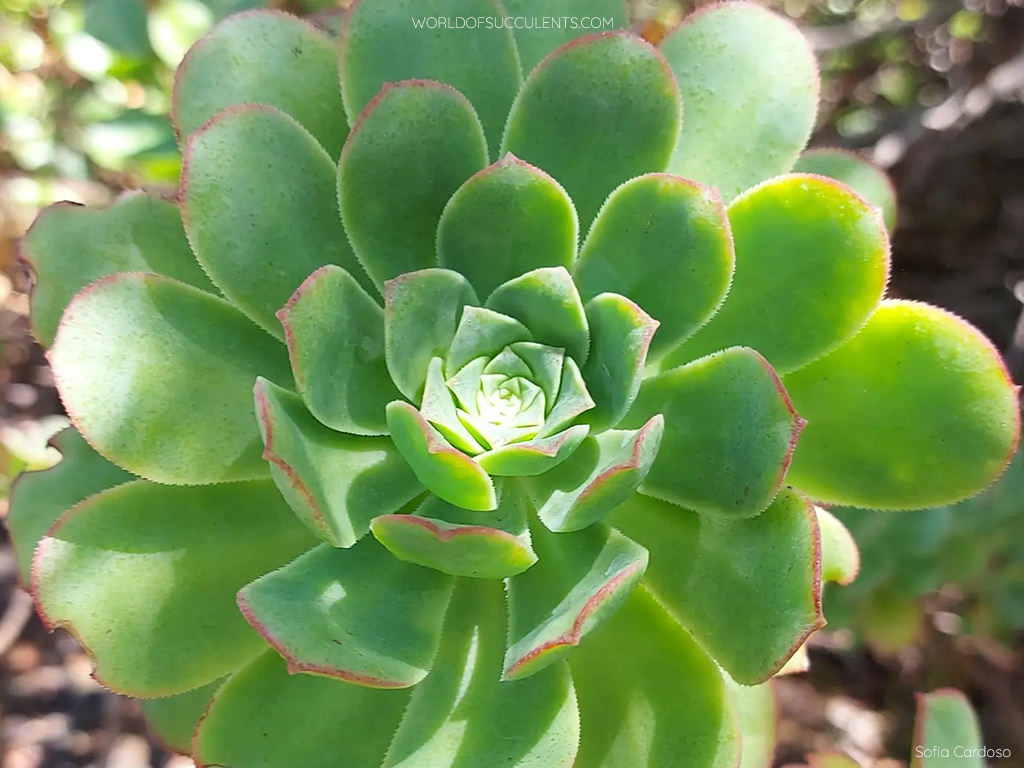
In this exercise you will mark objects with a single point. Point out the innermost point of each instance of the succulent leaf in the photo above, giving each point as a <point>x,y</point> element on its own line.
<point>580,580</point>
<point>749,82</point>
<point>812,261</point>
<point>730,430</point>
<point>249,175</point>
<point>602,473</point>
<point>757,716</point>
<point>609,96</point>
<point>421,312</point>
<point>39,498</point>
<point>445,471</point>
<point>359,614</point>
<point>263,57</point>
<point>126,359</point>
<point>533,457</point>
<point>946,724</point>
<point>755,566</point>
<point>840,558</point>
<point>621,336</point>
<point>174,718</point>
<point>505,220</point>
<point>573,399</point>
<point>855,172</point>
<point>464,716</point>
<point>482,333</point>
<point>264,717</point>
<point>537,43</point>
<point>440,409</point>
<point>413,146</point>
<point>916,410</point>
<point>123,570</point>
<point>547,302</point>
<point>665,243</point>
<point>459,542</point>
<point>335,483</point>
<point>137,233</point>
<point>381,43</point>
<point>635,714</point>
<point>335,335</point>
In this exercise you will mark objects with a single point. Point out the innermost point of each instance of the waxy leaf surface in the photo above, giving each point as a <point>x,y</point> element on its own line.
<point>357,614</point>
<point>464,716</point>
<point>145,576</point>
<point>335,334</point>
<point>381,42</point>
<point>158,377</point>
<point>539,41</point>
<point>39,498</point>
<point>870,182</point>
<point>263,57</point>
<point>69,246</point>
<point>916,410</point>
<point>750,88</point>
<point>730,429</point>
<point>249,176</point>
<point>174,718</point>
<point>505,220</point>
<point>812,260</point>
<point>335,483</point>
<point>766,569</point>
<point>651,698</point>
<point>946,724</point>
<point>580,580</point>
<point>460,542</point>
<point>665,243</point>
<point>264,717</point>
<point>609,96</point>
<point>413,146</point>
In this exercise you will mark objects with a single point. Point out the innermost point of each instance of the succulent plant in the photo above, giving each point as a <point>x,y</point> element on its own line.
<point>502,497</point>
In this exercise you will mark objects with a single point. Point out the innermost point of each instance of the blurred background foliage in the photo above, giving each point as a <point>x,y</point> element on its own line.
<point>932,91</point>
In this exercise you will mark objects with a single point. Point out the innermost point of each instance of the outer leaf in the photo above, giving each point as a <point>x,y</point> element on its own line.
<point>870,182</point>
<point>750,85</point>
<point>840,559</point>
<point>946,724</point>
<point>757,717</point>
<point>335,335</point>
<point>462,716</point>
<point>382,43</point>
<point>916,410</point>
<point>547,302</point>
<point>39,498</point>
<point>262,57</point>
<point>609,96</point>
<point>580,581</point>
<point>265,718</point>
<point>174,718</point>
<point>360,615</point>
<point>157,376</point>
<point>249,176</point>
<point>533,457</point>
<point>665,243</point>
<point>412,147</point>
<point>534,44</point>
<point>506,220</point>
<point>812,260</point>
<point>459,542</point>
<point>730,419</point>
<point>135,570</point>
<point>69,246</point>
<point>766,569</point>
<point>622,334</point>
<point>482,333</point>
<point>336,484</point>
<point>446,472</point>
<point>421,312</point>
<point>637,715</point>
<point>603,472</point>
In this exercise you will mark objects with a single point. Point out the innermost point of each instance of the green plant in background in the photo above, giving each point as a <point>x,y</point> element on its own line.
<point>483,470</point>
